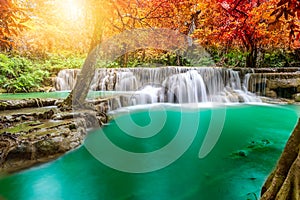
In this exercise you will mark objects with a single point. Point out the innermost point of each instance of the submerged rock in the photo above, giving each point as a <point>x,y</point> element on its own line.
<point>240,153</point>
<point>260,144</point>
<point>243,153</point>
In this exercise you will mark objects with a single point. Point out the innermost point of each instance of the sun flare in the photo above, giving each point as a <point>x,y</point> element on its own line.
<point>72,9</point>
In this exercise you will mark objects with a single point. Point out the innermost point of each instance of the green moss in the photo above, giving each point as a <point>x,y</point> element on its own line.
<point>3,104</point>
<point>24,127</point>
<point>34,128</point>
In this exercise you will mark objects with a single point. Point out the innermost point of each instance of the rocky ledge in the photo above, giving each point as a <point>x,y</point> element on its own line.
<point>273,82</point>
<point>32,134</point>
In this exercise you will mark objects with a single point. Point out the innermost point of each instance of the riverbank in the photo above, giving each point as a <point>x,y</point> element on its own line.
<point>35,131</point>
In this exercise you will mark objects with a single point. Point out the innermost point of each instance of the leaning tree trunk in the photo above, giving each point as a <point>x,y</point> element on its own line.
<point>80,91</point>
<point>284,182</point>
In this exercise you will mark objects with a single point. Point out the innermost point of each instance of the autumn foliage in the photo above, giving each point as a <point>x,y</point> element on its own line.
<point>12,21</point>
<point>50,26</point>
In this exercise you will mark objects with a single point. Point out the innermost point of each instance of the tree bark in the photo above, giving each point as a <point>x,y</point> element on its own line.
<point>284,182</point>
<point>80,91</point>
<point>251,57</point>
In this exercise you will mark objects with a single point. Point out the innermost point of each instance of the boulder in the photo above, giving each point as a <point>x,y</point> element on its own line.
<point>296,97</point>
<point>270,93</point>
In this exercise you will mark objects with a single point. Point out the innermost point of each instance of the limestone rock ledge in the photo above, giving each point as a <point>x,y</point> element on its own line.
<point>21,150</point>
<point>29,136</point>
<point>276,85</point>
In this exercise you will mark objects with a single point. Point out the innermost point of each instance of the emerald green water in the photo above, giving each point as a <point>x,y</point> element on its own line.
<point>56,95</point>
<point>258,131</point>
<point>10,96</point>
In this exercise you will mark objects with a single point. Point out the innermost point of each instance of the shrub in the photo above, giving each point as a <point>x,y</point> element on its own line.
<point>18,74</point>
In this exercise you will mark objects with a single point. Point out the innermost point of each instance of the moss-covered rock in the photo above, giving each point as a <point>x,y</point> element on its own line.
<point>31,136</point>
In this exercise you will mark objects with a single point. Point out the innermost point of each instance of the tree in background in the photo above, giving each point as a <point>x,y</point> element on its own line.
<point>129,15</point>
<point>240,23</point>
<point>68,25</point>
<point>56,27</point>
<point>100,12</point>
<point>290,11</point>
<point>125,15</point>
<point>13,17</point>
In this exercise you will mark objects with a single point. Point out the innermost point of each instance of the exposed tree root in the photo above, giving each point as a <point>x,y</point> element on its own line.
<point>284,182</point>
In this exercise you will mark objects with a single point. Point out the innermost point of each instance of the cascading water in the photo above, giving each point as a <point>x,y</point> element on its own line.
<point>258,83</point>
<point>186,87</point>
<point>167,84</point>
<point>65,79</point>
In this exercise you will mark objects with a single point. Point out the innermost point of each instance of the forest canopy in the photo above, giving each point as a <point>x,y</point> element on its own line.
<point>239,33</point>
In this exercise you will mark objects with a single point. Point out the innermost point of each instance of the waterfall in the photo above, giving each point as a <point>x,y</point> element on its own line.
<point>186,87</point>
<point>257,83</point>
<point>166,84</point>
<point>66,79</point>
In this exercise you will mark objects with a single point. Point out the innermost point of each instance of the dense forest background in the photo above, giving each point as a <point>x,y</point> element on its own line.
<point>40,37</point>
